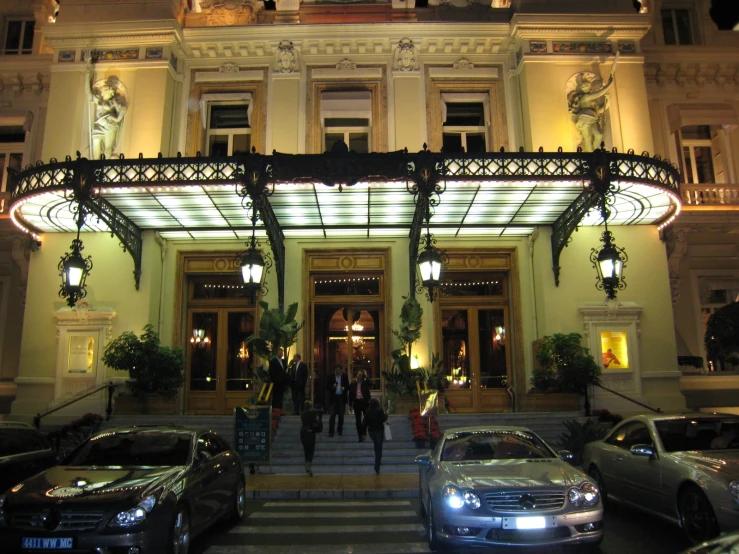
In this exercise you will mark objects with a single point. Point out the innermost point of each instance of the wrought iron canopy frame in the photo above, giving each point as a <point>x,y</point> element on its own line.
<point>340,170</point>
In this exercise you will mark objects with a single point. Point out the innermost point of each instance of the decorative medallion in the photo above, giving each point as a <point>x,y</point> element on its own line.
<point>346,65</point>
<point>406,56</point>
<point>463,64</point>
<point>627,47</point>
<point>67,56</point>
<point>286,57</point>
<point>229,68</point>
<point>154,53</point>
<point>538,46</point>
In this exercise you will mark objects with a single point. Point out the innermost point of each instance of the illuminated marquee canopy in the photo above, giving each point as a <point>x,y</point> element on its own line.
<point>341,194</point>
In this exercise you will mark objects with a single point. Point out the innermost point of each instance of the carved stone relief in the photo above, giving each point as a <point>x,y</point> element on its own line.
<point>676,244</point>
<point>346,65</point>
<point>587,102</point>
<point>406,56</point>
<point>109,98</point>
<point>286,57</point>
<point>229,68</point>
<point>463,64</point>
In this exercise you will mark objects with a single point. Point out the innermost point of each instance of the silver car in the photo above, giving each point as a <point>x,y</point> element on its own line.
<point>683,468</point>
<point>495,486</point>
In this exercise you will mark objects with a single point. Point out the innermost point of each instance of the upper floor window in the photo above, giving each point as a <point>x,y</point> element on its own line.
<point>346,116</point>
<point>697,154</point>
<point>465,120</point>
<point>677,27</point>
<point>18,36</point>
<point>11,152</point>
<point>226,118</point>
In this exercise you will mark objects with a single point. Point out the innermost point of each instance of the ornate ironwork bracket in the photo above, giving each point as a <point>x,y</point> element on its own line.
<point>83,180</point>
<point>567,223</point>
<point>415,238</point>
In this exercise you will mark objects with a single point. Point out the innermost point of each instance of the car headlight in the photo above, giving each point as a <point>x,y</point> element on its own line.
<point>456,498</point>
<point>135,515</point>
<point>587,493</point>
<point>734,489</point>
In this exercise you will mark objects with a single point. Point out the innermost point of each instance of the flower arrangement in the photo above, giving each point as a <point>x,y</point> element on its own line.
<point>424,427</point>
<point>276,414</point>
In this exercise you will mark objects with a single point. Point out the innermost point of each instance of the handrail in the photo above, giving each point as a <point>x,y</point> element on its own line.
<point>656,410</point>
<point>108,410</point>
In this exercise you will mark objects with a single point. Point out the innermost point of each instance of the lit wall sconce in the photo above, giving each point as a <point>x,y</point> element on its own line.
<point>198,337</point>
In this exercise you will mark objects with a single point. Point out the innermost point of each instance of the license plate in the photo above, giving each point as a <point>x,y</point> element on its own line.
<point>530,523</point>
<point>51,543</point>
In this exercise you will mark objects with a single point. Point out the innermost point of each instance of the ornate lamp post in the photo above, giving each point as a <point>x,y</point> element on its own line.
<point>73,268</point>
<point>253,264</point>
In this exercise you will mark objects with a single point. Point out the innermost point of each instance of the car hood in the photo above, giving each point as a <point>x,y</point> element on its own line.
<point>86,485</point>
<point>512,474</point>
<point>722,462</point>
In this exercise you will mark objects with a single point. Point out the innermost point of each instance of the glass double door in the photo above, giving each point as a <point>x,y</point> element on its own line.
<point>220,364</point>
<point>476,360</point>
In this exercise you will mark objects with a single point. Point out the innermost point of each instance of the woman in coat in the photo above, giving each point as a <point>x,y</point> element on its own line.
<point>374,422</point>
<point>310,424</point>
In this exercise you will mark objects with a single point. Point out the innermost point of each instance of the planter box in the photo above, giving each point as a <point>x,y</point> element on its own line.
<point>552,402</point>
<point>127,404</point>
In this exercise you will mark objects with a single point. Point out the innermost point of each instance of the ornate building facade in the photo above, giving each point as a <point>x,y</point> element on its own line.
<point>153,115</point>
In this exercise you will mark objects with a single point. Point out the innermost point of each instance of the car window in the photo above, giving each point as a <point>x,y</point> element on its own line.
<point>20,441</point>
<point>493,445</point>
<point>629,435</point>
<point>137,449</point>
<point>222,443</point>
<point>209,443</point>
<point>696,433</point>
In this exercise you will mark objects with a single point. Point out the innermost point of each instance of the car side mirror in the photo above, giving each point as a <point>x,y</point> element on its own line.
<point>643,450</point>
<point>423,460</point>
<point>566,456</point>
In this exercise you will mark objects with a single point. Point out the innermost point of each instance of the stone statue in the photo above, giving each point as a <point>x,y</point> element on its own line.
<point>109,100</point>
<point>405,56</point>
<point>286,57</point>
<point>587,101</point>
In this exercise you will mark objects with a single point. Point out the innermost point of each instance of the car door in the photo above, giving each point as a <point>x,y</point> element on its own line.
<point>228,470</point>
<point>640,476</point>
<point>205,483</point>
<point>23,453</point>
<point>609,456</point>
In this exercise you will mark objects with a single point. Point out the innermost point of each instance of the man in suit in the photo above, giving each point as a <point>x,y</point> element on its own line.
<point>298,380</point>
<point>337,386</point>
<point>359,397</point>
<point>278,376</point>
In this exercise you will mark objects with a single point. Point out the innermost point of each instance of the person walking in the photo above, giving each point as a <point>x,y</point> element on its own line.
<point>310,424</point>
<point>359,399</point>
<point>298,379</point>
<point>337,387</point>
<point>374,422</point>
<point>278,376</point>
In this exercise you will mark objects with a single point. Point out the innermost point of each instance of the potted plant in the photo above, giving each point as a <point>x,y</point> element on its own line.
<point>424,428</point>
<point>565,371</point>
<point>722,337</point>
<point>156,371</point>
<point>400,379</point>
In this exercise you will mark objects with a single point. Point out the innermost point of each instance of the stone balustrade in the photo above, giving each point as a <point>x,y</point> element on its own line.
<point>695,196</point>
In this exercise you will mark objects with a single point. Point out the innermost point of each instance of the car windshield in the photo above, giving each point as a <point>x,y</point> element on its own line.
<point>493,445</point>
<point>683,434</point>
<point>147,449</point>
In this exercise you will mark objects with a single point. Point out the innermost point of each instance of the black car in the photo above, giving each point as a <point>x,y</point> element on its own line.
<point>135,490</point>
<point>24,452</point>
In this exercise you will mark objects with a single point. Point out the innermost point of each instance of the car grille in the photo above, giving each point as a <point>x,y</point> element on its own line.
<point>521,501</point>
<point>529,536</point>
<point>47,519</point>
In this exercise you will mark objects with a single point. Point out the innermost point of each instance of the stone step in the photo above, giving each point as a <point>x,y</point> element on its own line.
<point>322,469</point>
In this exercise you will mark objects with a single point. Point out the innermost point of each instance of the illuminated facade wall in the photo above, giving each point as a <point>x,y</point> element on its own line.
<point>175,65</point>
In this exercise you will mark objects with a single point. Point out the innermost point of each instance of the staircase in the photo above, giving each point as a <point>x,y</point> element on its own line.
<point>548,425</point>
<point>343,454</point>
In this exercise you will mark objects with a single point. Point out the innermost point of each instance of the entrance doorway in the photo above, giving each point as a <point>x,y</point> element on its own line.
<point>346,292</point>
<point>219,362</point>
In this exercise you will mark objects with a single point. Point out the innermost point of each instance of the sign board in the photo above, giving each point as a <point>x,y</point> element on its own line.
<point>253,426</point>
<point>614,349</point>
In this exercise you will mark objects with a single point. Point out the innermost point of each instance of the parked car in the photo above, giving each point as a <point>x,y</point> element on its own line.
<point>684,468</point>
<point>24,452</point>
<point>146,489</point>
<point>494,486</point>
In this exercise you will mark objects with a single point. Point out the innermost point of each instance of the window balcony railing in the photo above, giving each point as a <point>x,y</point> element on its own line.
<point>710,196</point>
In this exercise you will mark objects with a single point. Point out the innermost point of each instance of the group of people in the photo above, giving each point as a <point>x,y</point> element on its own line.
<point>368,414</point>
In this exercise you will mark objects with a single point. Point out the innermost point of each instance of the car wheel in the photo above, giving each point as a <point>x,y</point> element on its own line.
<point>180,532</point>
<point>435,544</point>
<point>236,513</point>
<point>595,473</point>
<point>696,515</point>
